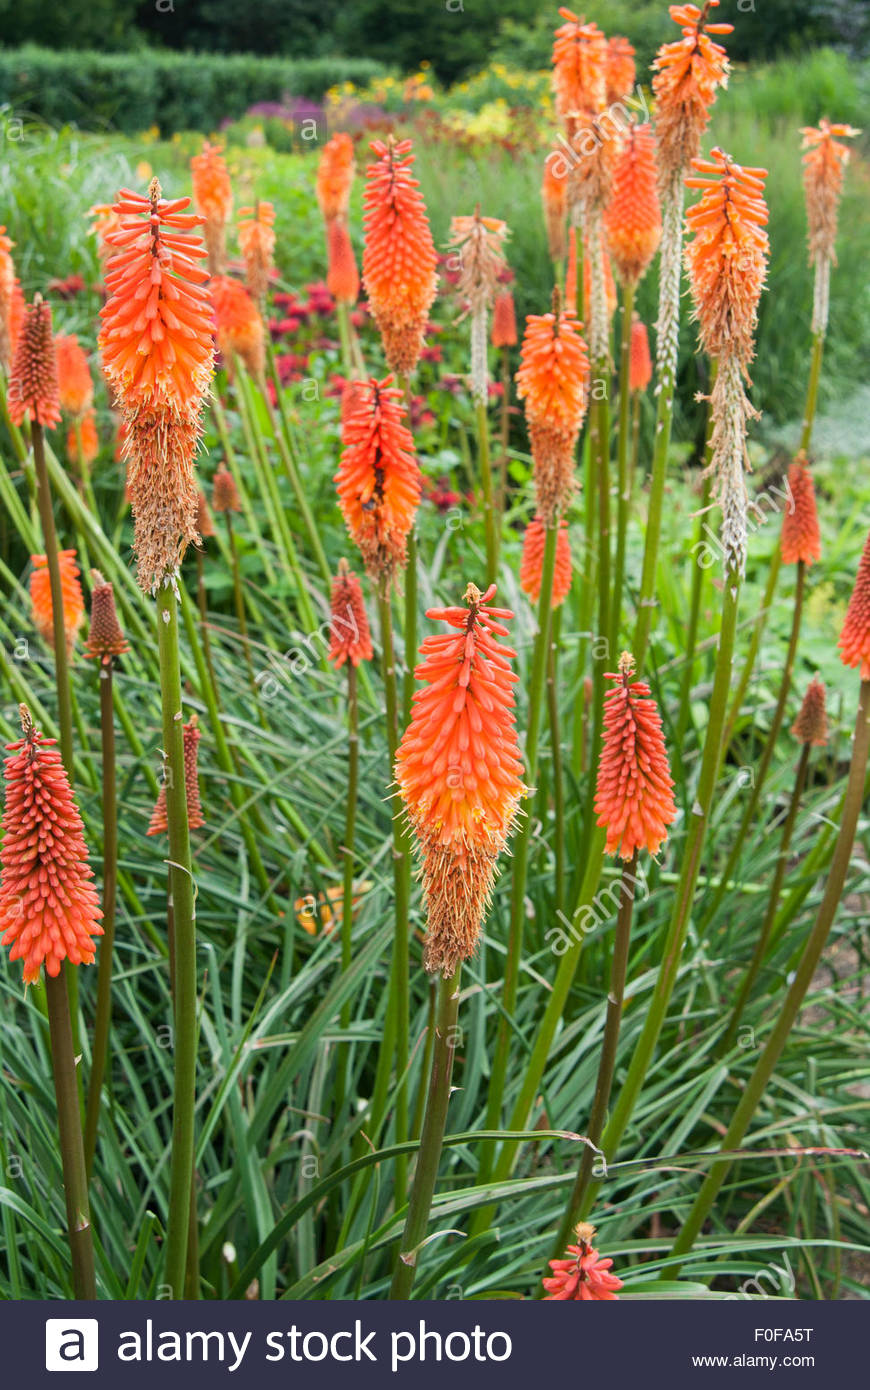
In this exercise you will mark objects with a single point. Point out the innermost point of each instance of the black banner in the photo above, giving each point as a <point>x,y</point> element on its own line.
<point>422,1344</point>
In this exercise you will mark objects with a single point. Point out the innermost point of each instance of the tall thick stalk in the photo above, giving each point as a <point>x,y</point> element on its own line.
<point>769,746</point>
<point>103,1017</point>
<point>490,520</point>
<point>691,864</point>
<point>788,1010</point>
<point>182,898</point>
<point>49,539</point>
<point>772,902</point>
<point>623,461</point>
<point>607,1064</point>
<point>400,982</point>
<point>521,849</point>
<point>666,370</point>
<point>75,1179</point>
<point>432,1136</point>
<point>776,560</point>
<point>347,850</point>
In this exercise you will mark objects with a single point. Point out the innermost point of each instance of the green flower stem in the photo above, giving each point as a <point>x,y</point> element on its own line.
<point>400,984</point>
<point>490,520</point>
<point>623,472</point>
<point>549,1025</point>
<point>410,633</point>
<point>103,1017</point>
<point>347,851</point>
<point>672,236</point>
<point>586,599</point>
<point>72,1153</point>
<point>772,902</point>
<point>61,677</point>
<point>558,769</point>
<point>182,898</point>
<point>607,1064</point>
<point>691,864</point>
<point>432,1137</point>
<point>49,539</point>
<point>521,852</point>
<point>698,575</point>
<point>342,314</point>
<point>603,651</point>
<point>504,433</point>
<point>788,1010</point>
<point>776,560</point>
<point>767,751</point>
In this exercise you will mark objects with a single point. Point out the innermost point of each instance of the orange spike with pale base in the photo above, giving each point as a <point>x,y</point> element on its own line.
<point>159,824</point>
<point>553,381</point>
<point>213,200</point>
<point>688,73</point>
<point>49,910</point>
<point>583,1276</point>
<point>399,260</point>
<point>105,639</point>
<point>459,771</point>
<point>33,387</point>
<point>632,218</point>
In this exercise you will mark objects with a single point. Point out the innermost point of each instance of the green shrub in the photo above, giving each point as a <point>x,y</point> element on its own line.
<point>174,91</point>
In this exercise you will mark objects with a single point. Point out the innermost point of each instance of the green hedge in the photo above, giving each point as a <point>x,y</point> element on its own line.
<point>131,92</point>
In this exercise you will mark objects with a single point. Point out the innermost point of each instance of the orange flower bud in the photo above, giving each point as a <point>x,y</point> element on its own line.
<point>159,825</point>
<point>800,538</point>
<point>640,362</point>
<point>33,389</point>
<point>633,795</point>
<point>632,219</point>
<point>854,640</point>
<point>105,638</point>
<point>225,494</point>
<point>342,276</point>
<point>349,636</point>
<point>811,725</point>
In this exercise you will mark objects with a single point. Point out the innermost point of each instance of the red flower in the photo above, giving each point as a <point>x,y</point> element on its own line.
<point>854,641</point>
<point>49,910</point>
<point>159,824</point>
<point>378,479</point>
<point>349,636</point>
<point>582,1276</point>
<point>633,796</point>
<point>33,386</point>
<point>800,538</point>
<point>811,725</point>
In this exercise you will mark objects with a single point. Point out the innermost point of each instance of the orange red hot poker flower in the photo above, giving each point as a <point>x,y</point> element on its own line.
<point>349,635</point>
<point>71,596</point>
<point>335,177</point>
<point>800,539</point>
<point>583,1275</point>
<point>33,386</point>
<point>459,771</point>
<point>49,910</point>
<point>399,260</point>
<point>532,563</point>
<point>378,478</point>
<point>159,825</point>
<point>157,349</point>
<point>854,640</point>
<point>105,638</point>
<point>75,387</point>
<point>824,162</point>
<point>257,244</point>
<point>240,329</point>
<point>634,791</point>
<point>811,725</point>
<point>213,200</point>
<point>688,73</point>
<point>553,381</point>
<point>579,67</point>
<point>632,219</point>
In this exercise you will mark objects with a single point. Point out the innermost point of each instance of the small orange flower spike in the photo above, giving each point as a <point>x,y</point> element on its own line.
<point>90,440</point>
<point>824,165</point>
<point>240,329</point>
<point>225,494</point>
<point>640,362</point>
<point>105,638</point>
<point>159,824</point>
<point>854,640</point>
<point>49,910</point>
<point>213,200</point>
<point>811,725</point>
<point>399,260</point>
<point>633,219</point>
<point>349,636</point>
<point>584,1275</point>
<point>619,70</point>
<point>633,795</point>
<point>579,67</point>
<point>342,276</point>
<point>33,388</point>
<point>378,478</point>
<point>71,595</point>
<point>335,177</point>
<point>504,320</point>
<point>533,559</point>
<point>76,389</point>
<point>553,380</point>
<point>800,538</point>
<point>257,244</point>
